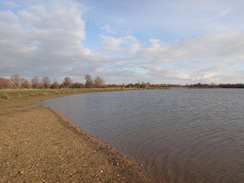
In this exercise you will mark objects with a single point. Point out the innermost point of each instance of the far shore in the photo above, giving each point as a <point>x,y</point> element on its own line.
<point>39,145</point>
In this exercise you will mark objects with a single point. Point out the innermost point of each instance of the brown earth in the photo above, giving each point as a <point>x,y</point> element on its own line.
<point>39,145</point>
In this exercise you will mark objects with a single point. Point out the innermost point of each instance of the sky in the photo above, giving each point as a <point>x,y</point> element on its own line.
<point>129,41</point>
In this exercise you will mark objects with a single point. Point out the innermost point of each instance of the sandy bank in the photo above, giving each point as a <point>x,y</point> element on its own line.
<point>39,145</point>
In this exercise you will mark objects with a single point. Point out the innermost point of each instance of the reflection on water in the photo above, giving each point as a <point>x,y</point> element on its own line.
<point>179,135</point>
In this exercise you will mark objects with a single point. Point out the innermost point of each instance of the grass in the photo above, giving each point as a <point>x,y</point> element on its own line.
<point>16,95</point>
<point>20,94</point>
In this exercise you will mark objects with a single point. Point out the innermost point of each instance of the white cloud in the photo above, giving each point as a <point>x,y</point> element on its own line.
<point>218,47</point>
<point>111,43</point>
<point>134,48</point>
<point>44,41</point>
<point>108,29</point>
<point>125,45</point>
<point>204,59</point>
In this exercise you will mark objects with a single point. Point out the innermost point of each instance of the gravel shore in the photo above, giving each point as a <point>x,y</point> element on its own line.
<point>39,145</point>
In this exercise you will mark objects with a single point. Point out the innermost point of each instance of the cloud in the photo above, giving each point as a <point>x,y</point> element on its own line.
<point>11,4</point>
<point>111,43</point>
<point>108,29</point>
<point>178,19</point>
<point>120,45</point>
<point>45,41</point>
<point>204,59</point>
<point>218,47</point>
<point>48,38</point>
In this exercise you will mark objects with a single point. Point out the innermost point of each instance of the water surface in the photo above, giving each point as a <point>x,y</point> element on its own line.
<point>179,135</point>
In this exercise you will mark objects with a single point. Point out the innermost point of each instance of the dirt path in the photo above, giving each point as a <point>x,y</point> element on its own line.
<point>38,145</point>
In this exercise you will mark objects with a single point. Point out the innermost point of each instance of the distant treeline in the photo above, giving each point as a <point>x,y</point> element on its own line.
<point>18,82</point>
<point>229,85</point>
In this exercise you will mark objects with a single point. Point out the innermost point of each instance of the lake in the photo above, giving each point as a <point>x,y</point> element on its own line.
<point>179,135</point>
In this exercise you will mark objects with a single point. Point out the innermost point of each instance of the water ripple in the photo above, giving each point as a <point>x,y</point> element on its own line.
<point>179,135</point>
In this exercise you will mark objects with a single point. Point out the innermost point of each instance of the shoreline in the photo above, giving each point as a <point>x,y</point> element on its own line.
<point>107,149</point>
<point>60,138</point>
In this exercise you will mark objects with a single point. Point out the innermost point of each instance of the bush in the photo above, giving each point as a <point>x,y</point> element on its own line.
<point>6,83</point>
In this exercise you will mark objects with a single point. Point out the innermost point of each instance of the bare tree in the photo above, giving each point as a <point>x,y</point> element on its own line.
<point>25,83</point>
<point>143,85</point>
<point>67,82</point>
<point>16,79</point>
<point>89,81</point>
<point>35,82</point>
<point>99,82</point>
<point>46,82</point>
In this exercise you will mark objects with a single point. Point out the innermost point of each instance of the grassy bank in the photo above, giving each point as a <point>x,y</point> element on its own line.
<point>39,145</point>
<point>40,93</point>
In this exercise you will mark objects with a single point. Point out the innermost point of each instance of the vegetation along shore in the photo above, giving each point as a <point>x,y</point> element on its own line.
<point>38,145</point>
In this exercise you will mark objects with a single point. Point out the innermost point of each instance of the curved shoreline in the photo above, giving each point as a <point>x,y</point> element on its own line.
<point>39,144</point>
<point>102,146</point>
